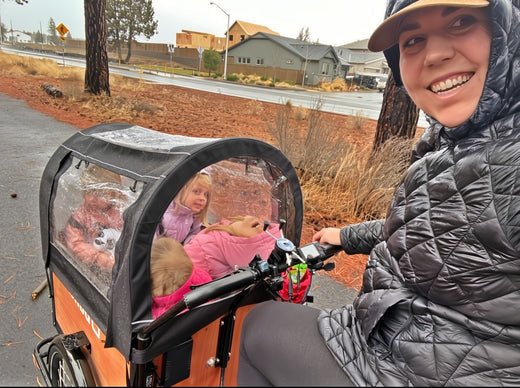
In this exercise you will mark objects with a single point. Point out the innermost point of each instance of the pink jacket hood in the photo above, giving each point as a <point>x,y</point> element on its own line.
<point>160,304</point>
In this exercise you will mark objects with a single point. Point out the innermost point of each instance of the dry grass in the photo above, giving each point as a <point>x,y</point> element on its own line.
<point>337,85</point>
<point>20,65</point>
<point>338,178</point>
<point>72,86</point>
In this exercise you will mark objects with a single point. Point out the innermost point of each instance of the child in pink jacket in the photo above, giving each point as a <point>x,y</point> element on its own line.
<point>232,242</point>
<point>187,213</point>
<point>172,274</point>
<point>98,212</point>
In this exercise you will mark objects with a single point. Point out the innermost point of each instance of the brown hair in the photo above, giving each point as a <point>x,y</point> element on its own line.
<point>101,182</point>
<point>170,266</point>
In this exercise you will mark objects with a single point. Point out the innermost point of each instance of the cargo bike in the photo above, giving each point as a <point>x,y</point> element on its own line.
<point>105,332</point>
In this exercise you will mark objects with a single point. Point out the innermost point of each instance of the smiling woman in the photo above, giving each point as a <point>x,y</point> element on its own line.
<point>447,74</point>
<point>437,305</point>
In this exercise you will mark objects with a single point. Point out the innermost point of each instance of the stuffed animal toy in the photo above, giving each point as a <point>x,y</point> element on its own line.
<point>106,240</point>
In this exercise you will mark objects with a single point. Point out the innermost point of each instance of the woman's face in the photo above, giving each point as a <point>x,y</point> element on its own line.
<point>444,57</point>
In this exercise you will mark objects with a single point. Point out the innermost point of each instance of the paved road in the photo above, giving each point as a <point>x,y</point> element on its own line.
<point>364,103</point>
<point>28,139</point>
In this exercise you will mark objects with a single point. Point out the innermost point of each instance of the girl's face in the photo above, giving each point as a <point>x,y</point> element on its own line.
<point>444,57</point>
<point>197,197</point>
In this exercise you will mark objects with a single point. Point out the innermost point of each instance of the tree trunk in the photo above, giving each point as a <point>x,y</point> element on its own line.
<point>398,117</point>
<point>96,72</point>
<point>129,52</point>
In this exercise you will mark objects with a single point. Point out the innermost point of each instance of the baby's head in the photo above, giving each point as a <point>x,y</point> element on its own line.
<point>196,195</point>
<point>170,266</point>
<point>101,185</point>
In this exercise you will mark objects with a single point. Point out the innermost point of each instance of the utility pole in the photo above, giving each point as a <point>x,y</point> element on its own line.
<point>305,66</point>
<point>1,30</point>
<point>41,34</point>
<point>227,39</point>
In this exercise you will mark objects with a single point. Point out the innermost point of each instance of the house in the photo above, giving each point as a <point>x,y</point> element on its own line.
<point>240,31</point>
<point>18,37</point>
<point>256,49</point>
<point>361,60</point>
<point>287,59</point>
<point>196,39</point>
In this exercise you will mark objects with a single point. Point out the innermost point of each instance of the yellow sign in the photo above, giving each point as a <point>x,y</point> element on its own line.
<point>63,38</point>
<point>62,29</point>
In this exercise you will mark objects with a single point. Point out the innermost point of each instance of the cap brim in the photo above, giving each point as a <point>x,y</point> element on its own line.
<point>387,34</point>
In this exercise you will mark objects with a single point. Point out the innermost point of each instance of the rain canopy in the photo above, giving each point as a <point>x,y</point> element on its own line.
<point>140,171</point>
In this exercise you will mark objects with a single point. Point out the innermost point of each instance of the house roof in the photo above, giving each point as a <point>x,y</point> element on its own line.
<point>357,45</point>
<point>316,51</point>
<point>351,56</point>
<point>251,28</point>
<point>196,32</point>
<point>305,50</point>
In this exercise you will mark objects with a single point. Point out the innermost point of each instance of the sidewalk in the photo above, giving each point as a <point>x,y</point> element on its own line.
<point>28,140</point>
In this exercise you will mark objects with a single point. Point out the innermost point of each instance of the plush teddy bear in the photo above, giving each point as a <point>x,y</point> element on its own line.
<point>106,240</point>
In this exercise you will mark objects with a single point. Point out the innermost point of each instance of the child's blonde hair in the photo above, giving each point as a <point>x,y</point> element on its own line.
<point>204,179</point>
<point>170,266</point>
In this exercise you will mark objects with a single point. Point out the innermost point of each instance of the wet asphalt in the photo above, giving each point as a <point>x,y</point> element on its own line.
<point>28,138</point>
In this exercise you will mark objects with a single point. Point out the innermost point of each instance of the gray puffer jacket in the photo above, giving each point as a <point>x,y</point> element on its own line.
<point>440,301</point>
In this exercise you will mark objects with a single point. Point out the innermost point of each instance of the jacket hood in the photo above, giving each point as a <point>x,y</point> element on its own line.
<point>500,97</point>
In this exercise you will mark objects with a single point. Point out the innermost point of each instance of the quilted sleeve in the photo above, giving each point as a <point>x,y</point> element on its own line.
<point>362,237</point>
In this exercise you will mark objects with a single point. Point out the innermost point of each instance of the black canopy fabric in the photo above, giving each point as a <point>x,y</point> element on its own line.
<point>158,164</point>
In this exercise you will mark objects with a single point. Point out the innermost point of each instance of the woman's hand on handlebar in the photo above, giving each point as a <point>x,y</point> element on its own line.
<point>328,236</point>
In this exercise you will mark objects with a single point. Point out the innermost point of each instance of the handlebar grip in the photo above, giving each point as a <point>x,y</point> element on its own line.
<point>221,286</point>
<point>330,250</point>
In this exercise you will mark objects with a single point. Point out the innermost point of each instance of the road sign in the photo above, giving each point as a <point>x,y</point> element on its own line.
<point>171,48</point>
<point>62,29</point>
<point>63,38</point>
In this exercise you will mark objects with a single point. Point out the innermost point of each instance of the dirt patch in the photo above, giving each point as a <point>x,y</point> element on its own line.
<point>182,111</point>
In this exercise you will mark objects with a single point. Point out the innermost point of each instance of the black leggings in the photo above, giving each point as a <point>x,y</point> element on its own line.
<point>281,345</point>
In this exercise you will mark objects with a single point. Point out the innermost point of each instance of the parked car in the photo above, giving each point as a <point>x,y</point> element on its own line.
<point>381,84</point>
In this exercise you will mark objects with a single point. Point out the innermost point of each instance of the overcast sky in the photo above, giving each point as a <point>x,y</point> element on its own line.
<point>334,22</point>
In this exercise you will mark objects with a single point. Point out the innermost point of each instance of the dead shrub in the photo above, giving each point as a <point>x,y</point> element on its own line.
<point>356,183</point>
<point>119,108</point>
<point>337,85</point>
<point>254,108</point>
<point>300,113</point>
<point>359,119</point>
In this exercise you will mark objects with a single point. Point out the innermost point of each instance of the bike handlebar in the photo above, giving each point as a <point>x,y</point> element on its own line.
<point>283,256</point>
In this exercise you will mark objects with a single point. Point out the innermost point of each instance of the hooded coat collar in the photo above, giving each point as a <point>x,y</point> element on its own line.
<point>500,97</point>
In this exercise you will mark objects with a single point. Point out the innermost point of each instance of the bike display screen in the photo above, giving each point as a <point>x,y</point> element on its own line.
<point>309,251</point>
